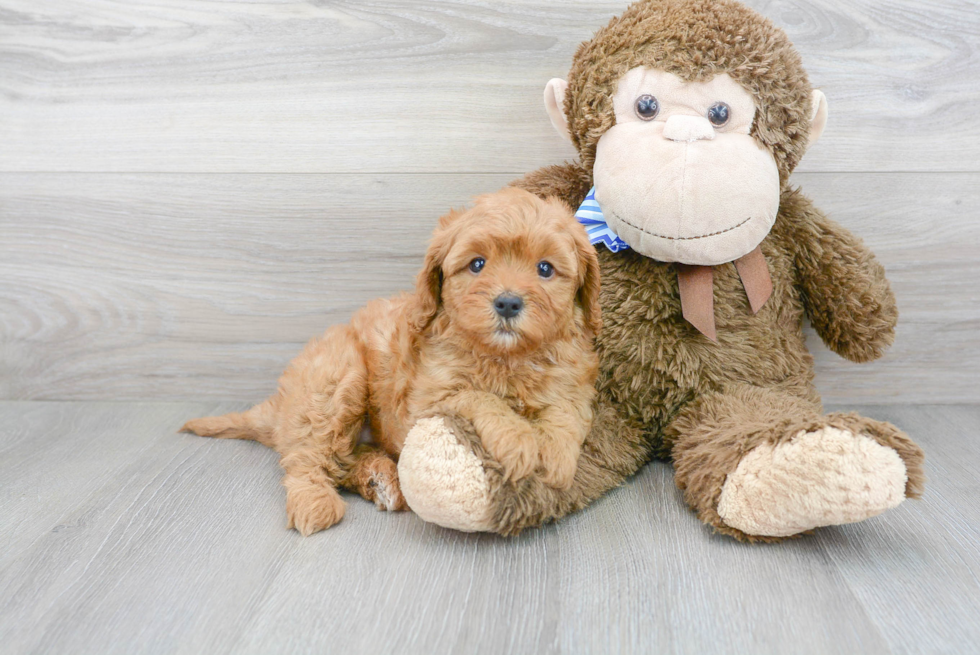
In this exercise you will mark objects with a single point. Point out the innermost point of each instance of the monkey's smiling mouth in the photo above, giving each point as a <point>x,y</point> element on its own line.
<point>664,236</point>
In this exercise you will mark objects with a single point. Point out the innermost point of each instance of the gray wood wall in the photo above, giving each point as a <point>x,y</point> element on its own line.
<point>189,190</point>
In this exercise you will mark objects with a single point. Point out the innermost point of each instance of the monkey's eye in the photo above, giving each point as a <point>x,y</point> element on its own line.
<point>647,107</point>
<point>545,270</point>
<point>718,114</point>
<point>477,265</point>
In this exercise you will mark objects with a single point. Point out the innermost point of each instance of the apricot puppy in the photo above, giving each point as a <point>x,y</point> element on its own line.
<point>499,330</point>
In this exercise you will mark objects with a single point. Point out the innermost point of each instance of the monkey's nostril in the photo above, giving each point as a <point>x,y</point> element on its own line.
<point>508,305</point>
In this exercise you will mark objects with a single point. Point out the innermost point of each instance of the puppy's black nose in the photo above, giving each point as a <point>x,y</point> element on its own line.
<point>508,305</point>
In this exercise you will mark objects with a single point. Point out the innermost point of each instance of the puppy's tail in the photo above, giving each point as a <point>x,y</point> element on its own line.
<point>257,424</point>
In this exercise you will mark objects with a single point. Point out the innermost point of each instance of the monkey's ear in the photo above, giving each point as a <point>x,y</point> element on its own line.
<point>818,115</point>
<point>554,103</point>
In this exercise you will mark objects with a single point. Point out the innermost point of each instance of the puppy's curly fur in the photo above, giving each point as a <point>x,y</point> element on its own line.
<point>525,381</point>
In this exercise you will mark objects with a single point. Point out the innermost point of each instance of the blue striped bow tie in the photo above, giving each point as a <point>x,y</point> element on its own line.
<point>589,214</point>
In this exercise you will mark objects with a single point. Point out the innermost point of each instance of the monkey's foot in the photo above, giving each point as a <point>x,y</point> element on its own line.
<point>443,481</point>
<point>826,477</point>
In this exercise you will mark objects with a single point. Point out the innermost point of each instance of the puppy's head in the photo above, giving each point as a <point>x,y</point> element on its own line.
<point>511,273</point>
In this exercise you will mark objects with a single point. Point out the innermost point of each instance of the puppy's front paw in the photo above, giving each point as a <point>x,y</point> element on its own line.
<point>559,461</point>
<point>517,453</point>
<point>311,507</point>
<point>560,477</point>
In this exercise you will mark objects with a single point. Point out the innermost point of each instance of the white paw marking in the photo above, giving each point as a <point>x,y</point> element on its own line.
<point>383,495</point>
<point>819,478</point>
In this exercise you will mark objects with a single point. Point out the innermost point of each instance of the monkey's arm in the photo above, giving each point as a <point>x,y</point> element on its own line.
<point>843,286</point>
<point>569,182</point>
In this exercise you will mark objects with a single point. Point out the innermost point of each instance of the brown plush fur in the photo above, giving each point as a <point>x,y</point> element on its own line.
<point>664,389</point>
<point>526,382</point>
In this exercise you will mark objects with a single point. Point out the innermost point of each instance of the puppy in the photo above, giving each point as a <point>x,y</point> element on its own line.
<point>498,331</point>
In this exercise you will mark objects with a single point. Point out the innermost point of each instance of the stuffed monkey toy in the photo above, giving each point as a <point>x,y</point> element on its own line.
<point>689,117</point>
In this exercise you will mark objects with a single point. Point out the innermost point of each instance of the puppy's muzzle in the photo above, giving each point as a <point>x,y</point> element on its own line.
<point>508,305</point>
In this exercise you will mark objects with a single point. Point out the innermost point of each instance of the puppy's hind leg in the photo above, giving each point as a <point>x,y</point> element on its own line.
<point>321,406</point>
<point>312,501</point>
<point>375,476</point>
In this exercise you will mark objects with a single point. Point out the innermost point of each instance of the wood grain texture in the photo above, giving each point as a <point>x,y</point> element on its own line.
<point>177,545</point>
<point>204,286</point>
<point>434,86</point>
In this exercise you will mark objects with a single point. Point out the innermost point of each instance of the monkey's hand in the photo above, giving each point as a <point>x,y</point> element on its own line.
<point>844,289</point>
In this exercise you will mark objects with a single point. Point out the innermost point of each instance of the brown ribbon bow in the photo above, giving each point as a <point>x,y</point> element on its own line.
<point>696,285</point>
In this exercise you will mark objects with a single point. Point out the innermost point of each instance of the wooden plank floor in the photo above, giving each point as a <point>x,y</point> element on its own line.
<point>119,536</point>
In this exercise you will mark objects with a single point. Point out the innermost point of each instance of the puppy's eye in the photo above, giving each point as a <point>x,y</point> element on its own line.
<point>647,107</point>
<point>477,265</point>
<point>719,113</point>
<point>545,270</point>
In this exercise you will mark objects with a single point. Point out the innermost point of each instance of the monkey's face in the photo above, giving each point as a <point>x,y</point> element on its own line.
<point>691,115</point>
<point>679,177</point>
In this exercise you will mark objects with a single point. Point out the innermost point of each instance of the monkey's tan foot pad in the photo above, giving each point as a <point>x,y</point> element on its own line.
<point>825,477</point>
<point>442,480</point>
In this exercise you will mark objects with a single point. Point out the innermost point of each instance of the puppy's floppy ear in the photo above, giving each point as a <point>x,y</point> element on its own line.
<point>588,292</point>
<point>428,284</point>
<point>588,266</point>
